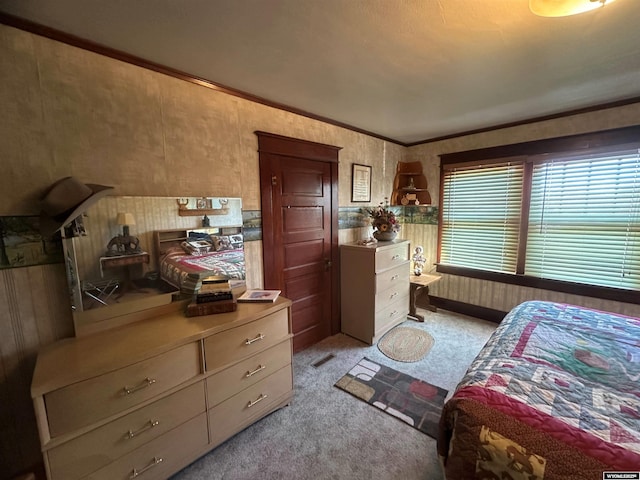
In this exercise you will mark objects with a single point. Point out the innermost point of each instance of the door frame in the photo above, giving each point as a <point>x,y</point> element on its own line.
<point>270,143</point>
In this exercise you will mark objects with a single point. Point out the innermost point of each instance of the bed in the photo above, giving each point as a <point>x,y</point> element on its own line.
<point>185,260</point>
<point>554,394</point>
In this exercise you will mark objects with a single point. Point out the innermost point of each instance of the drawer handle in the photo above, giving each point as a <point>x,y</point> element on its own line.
<point>253,372</point>
<point>154,462</point>
<point>395,312</point>
<point>395,257</point>
<point>147,426</point>
<point>248,341</point>
<point>393,295</point>
<point>144,384</point>
<point>257,400</point>
<point>395,277</point>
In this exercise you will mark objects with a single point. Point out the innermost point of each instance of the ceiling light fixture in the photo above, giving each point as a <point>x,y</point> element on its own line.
<point>564,8</point>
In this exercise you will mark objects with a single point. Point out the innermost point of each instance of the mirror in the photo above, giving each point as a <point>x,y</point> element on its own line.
<point>135,253</point>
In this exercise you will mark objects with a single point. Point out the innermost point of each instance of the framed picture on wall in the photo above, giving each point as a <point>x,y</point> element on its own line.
<point>360,183</point>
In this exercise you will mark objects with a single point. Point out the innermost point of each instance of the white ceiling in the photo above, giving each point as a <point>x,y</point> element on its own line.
<point>408,70</point>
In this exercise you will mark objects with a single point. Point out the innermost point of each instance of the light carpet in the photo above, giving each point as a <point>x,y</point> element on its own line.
<point>325,434</point>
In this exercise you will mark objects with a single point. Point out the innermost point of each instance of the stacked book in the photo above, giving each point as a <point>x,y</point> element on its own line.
<point>215,296</point>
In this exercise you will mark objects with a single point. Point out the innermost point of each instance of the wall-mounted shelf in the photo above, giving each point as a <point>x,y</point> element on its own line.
<point>202,206</point>
<point>199,212</point>
<point>410,185</point>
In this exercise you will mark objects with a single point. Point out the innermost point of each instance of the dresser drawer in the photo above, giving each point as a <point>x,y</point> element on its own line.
<point>161,457</point>
<point>99,447</point>
<point>397,277</point>
<point>391,257</point>
<point>247,406</point>
<point>247,372</point>
<point>392,312</point>
<point>88,401</point>
<point>237,343</point>
<point>390,295</point>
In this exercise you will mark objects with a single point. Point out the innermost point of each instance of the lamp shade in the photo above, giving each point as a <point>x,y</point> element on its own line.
<point>564,8</point>
<point>125,219</point>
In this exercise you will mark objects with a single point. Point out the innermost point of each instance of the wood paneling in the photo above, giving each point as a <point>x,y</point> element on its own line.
<point>425,236</point>
<point>34,311</point>
<point>503,296</point>
<point>70,111</point>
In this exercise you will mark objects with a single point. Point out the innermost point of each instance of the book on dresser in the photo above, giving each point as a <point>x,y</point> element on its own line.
<point>209,297</point>
<point>212,298</point>
<point>195,309</point>
<point>259,296</point>
<point>214,284</point>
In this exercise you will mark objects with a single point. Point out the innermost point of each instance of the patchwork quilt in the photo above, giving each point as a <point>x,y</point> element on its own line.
<point>186,271</point>
<point>554,394</point>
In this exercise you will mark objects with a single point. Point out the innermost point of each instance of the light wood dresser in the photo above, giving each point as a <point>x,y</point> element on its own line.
<point>145,400</point>
<point>374,282</point>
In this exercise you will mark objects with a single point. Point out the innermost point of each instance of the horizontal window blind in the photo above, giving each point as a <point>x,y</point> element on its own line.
<point>584,220</point>
<point>481,217</point>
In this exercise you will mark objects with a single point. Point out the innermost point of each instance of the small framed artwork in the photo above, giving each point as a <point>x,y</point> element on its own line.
<point>360,183</point>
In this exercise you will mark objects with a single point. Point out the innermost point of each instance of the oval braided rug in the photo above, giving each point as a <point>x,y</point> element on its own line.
<point>406,344</point>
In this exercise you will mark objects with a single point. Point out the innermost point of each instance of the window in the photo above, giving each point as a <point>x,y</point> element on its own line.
<point>481,217</point>
<point>584,220</point>
<point>544,219</point>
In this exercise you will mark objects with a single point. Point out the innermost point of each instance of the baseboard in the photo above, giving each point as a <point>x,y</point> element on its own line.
<point>476,311</point>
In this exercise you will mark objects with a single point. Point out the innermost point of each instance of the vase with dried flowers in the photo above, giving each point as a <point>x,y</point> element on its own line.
<point>384,222</point>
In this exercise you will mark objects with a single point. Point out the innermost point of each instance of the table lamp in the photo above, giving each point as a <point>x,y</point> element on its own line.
<point>125,219</point>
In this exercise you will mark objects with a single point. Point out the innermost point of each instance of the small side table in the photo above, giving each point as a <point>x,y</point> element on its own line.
<point>123,261</point>
<point>420,284</point>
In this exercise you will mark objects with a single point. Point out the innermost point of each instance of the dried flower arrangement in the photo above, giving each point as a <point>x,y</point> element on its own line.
<point>383,219</point>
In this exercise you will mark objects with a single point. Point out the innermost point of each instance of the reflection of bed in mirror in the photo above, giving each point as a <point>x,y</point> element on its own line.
<point>107,284</point>
<point>186,257</point>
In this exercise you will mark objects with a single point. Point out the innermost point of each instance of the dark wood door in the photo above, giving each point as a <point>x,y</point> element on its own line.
<point>298,233</point>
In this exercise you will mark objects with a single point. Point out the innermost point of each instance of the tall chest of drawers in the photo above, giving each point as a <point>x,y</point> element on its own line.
<point>374,283</point>
<point>147,399</point>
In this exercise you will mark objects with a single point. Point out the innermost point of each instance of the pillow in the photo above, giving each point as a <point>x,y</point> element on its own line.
<point>237,241</point>
<point>221,243</point>
<point>196,247</point>
<point>227,242</point>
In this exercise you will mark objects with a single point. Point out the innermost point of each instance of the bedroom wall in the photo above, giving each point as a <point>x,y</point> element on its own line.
<point>500,296</point>
<point>67,111</point>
